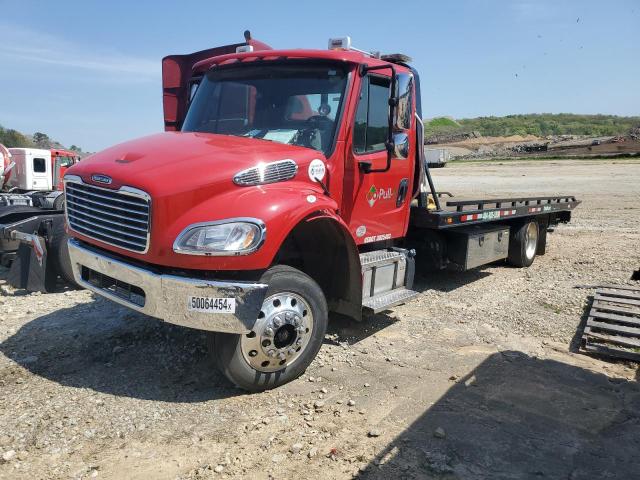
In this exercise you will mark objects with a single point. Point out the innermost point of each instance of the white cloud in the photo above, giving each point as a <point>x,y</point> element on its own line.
<point>32,47</point>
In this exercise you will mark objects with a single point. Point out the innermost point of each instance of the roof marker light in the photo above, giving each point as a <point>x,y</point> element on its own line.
<point>343,43</point>
<point>244,49</point>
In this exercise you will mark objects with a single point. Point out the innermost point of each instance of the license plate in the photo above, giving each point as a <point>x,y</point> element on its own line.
<point>211,305</point>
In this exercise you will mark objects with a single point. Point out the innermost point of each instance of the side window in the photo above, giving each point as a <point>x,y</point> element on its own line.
<point>64,161</point>
<point>39,165</point>
<point>372,117</point>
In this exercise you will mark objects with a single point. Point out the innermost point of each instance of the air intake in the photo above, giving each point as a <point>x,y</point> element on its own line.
<point>267,173</point>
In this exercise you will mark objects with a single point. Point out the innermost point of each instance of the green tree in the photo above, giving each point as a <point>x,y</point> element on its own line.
<point>42,140</point>
<point>14,139</point>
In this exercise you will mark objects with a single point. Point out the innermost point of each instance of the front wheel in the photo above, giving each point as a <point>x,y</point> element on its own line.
<point>285,338</point>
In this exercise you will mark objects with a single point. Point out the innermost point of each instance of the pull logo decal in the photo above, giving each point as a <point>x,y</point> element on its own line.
<point>374,194</point>
<point>97,177</point>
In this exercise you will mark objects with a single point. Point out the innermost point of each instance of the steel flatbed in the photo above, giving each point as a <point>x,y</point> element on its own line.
<point>472,212</point>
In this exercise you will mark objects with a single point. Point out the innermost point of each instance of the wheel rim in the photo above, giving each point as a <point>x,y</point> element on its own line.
<point>281,333</point>
<point>531,240</point>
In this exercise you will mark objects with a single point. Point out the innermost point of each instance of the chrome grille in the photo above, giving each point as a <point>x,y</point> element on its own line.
<point>267,173</point>
<point>117,217</point>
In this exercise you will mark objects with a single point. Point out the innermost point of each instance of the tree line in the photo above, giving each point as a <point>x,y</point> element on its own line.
<point>541,125</point>
<point>14,139</point>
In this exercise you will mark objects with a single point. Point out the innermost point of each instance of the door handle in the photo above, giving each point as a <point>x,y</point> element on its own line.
<point>402,191</point>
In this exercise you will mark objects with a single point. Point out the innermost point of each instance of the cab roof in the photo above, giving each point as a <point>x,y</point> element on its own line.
<point>347,56</point>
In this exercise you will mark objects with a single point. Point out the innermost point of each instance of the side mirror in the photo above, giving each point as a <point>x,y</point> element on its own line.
<point>400,145</point>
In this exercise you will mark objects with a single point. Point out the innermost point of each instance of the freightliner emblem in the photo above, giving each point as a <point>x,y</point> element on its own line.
<point>96,177</point>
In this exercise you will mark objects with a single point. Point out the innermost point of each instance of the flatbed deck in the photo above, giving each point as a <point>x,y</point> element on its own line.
<point>470,212</point>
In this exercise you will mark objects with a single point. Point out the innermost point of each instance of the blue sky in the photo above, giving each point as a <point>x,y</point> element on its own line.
<point>88,72</point>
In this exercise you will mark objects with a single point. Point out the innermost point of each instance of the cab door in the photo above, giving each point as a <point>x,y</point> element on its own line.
<point>60,166</point>
<point>38,171</point>
<point>375,205</point>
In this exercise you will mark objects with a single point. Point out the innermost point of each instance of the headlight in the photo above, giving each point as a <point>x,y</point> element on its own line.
<point>238,236</point>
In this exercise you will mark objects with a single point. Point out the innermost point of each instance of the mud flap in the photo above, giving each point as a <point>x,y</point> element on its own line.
<point>30,269</point>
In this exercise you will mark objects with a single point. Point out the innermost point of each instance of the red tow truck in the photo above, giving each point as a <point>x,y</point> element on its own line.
<point>289,185</point>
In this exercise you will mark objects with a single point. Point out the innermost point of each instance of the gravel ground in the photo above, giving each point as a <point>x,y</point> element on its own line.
<point>473,379</point>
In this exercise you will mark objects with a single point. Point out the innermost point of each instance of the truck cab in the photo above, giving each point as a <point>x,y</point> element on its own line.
<point>281,191</point>
<point>37,169</point>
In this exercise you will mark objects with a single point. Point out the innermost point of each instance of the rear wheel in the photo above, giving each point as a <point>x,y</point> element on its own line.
<point>523,244</point>
<point>285,338</point>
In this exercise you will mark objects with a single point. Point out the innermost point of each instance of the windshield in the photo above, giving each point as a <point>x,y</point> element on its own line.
<point>292,104</point>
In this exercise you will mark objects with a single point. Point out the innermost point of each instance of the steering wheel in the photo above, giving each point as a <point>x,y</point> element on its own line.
<point>317,121</point>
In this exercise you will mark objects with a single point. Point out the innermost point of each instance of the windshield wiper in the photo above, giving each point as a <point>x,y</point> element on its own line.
<point>324,187</point>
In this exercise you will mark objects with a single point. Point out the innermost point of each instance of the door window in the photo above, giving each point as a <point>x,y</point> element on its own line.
<point>372,117</point>
<point>64,161</point>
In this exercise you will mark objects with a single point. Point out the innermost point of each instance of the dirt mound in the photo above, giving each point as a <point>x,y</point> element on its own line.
<point>497,140</point>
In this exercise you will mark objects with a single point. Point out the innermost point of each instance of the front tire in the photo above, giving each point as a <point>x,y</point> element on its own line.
<point>285,338</point>
<point>523,244</point>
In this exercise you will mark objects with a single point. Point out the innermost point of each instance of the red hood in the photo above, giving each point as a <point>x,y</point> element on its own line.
<point>173,163</point>
<point>190,179</point>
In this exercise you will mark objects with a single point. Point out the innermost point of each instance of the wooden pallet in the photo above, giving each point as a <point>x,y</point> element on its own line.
<point>613,324</point>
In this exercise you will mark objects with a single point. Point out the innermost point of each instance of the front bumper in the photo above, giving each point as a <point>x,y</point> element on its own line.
<point>166,296</point>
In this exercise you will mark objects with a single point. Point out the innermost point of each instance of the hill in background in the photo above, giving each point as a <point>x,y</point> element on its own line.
<point>541,125</point>
<point>441,129</point>
<point>14,139</point>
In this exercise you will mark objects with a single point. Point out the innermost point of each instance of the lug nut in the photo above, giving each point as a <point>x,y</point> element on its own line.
<point>268,332</point>
<point>287,316</point>
<point>281,356</point>
<point>277,321</point>
<point>291,351</point>
<point>296,320</point>
<point>300,329</point>
<point>271,353</point>
<point>299,342</point>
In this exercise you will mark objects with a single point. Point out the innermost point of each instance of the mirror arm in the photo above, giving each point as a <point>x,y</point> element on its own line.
<point>393,102</point>
<point>424,169</point>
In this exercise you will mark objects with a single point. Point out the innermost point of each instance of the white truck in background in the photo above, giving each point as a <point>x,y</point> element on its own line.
<point>436,157</point>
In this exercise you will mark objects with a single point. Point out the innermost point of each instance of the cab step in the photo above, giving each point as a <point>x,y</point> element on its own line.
<point>387,278</point>
<point>387,300</point>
